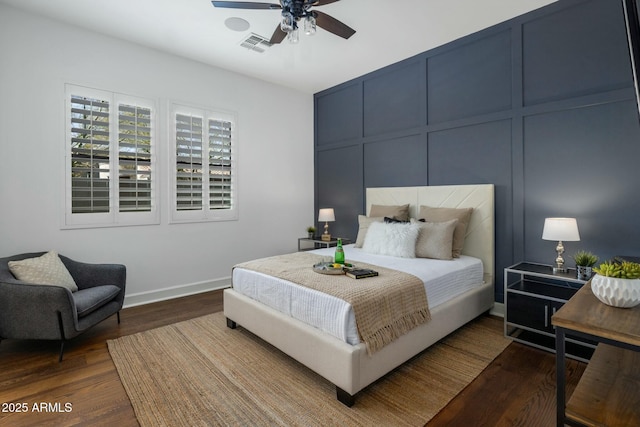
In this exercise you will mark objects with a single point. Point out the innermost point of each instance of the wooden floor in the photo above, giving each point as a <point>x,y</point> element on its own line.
<point>517,389</point>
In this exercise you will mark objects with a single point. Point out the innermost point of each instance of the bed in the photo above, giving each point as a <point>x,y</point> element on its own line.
<point>348,364</point>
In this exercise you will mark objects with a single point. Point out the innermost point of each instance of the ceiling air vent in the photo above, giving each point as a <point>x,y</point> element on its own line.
<point>256,43</point>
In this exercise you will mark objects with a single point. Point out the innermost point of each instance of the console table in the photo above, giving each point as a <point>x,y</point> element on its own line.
<point>607,394</point>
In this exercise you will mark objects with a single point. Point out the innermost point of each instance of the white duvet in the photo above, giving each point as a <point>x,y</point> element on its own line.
<point>443,280</point>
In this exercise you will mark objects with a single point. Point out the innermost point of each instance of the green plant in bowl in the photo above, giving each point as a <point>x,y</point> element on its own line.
<point>585,259</point>
<point>617,283</point>
<point>620,270</point>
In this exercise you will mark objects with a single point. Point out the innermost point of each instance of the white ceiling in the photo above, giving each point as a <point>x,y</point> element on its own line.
<point>387,31</point>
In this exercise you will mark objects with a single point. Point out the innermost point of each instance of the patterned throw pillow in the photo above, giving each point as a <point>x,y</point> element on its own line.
<point>47,269</point>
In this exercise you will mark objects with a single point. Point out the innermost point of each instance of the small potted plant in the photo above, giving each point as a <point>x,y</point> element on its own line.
<point>311,230</point>
<point>617,283</point>
<point>584,264</point>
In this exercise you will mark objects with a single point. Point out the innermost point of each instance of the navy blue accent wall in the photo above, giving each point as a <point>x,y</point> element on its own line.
<point>542,106</point>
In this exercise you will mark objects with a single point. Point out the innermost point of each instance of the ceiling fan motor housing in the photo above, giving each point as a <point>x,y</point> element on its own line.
<point>293,11</point>
<point>297,8</point>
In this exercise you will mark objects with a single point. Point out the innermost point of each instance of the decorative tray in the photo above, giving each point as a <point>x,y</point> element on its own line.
<point>331,267</point>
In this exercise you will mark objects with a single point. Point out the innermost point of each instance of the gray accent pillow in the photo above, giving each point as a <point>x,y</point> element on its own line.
<point>435,239</point>
<point>47,269</point>
<point>399,212</point>
<point>463,215</point>
<point>363,225</point>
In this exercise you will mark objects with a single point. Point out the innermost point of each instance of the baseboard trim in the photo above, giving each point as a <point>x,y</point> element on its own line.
<point>149,297</point>
<point>498,309</point>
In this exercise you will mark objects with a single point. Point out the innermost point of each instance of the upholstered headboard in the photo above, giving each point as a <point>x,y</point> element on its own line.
<point>480,235</point>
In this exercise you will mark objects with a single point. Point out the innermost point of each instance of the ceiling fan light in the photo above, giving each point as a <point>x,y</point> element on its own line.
<point>310,25</point>
<point>288,23</point>
<point>293,36</point>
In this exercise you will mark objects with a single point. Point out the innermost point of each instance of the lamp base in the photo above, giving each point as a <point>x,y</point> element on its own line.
<point>326,237</point>
<point>559,266</point>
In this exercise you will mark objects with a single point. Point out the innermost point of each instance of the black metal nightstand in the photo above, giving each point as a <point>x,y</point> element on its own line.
<point>319,243</point>
<point>532,294</point>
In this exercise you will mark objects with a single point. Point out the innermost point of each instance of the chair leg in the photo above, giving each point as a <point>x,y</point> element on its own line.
<point>61,351</point>
<point>118,314</point>
<point>62,338</point>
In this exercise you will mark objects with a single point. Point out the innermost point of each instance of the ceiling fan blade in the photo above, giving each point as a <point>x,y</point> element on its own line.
<point>333,25</point>
<point>245,5</point>
<point>278,35</point>
<point>323,2</point>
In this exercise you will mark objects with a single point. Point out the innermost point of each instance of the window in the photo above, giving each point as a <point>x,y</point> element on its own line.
<point>204,148</point>
<point>110,171</point>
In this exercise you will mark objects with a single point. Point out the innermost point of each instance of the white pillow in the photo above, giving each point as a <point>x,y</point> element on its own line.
<point>47,269</point>
<point>364,222</point>
<point>435,239</point>
<point>398,239</point>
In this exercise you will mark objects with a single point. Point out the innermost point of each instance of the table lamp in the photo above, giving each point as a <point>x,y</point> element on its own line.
<point>560,229</point>
<point>326,215</point>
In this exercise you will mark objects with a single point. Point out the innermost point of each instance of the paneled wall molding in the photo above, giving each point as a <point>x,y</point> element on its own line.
<point>623,94</point>
<point>538,105</point>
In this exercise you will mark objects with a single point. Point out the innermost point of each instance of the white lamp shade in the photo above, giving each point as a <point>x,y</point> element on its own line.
<point>562,229</point>
<point>326,214</point>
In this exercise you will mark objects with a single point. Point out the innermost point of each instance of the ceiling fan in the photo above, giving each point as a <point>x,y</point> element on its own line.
<point>292,12</point>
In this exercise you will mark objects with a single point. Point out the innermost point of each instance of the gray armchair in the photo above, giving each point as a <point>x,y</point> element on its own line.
<point>46,312</point>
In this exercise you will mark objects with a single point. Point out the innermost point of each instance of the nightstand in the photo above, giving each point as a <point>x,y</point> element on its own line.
<point>532,294</point>
<point>319,243</point>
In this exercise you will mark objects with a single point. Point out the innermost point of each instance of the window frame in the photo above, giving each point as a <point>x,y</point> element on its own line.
<point>113,218</point>
<point>205,214</point>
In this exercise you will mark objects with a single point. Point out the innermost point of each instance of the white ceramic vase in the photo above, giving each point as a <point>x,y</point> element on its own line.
<point>623,293</point>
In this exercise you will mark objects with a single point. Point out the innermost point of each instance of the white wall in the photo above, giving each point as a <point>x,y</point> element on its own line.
<point>275,160</point>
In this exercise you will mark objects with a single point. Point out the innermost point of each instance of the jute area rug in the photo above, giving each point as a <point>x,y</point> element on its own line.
<point>201,373</point>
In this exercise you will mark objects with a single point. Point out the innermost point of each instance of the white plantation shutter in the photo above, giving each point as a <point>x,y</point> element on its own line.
<point>220,171</point>
<point>134,158</point>
<point>109,161</point>
<point>204,181</point>
<point>90,155</point>
<point>189,172</point>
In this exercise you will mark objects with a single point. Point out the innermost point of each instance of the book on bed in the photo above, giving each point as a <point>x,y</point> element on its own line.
<point>361,273</point>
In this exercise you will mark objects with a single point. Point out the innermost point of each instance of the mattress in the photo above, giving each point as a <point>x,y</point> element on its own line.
<point>443,279</point>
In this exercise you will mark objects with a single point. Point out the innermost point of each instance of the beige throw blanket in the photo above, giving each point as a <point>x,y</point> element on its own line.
<point>385,307</point>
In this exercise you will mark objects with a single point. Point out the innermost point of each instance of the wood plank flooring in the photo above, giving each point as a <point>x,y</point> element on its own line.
<point>517,389</point>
